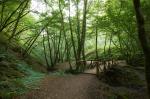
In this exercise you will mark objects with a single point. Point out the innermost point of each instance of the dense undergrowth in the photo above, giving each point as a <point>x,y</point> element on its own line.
<point>18,75</point>
<point>124,83</point>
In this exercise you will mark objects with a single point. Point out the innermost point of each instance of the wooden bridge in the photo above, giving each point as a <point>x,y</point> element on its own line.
<point>97,66</point>
<point>91,66</point>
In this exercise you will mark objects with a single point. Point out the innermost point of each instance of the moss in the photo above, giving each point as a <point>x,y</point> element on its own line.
<point>16,75</point>
<point>17,79</point>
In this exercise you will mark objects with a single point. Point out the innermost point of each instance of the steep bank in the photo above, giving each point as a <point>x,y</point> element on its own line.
<point>17,74</point>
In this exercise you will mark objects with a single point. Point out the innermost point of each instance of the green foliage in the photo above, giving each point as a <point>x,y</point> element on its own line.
<point>18,80</point>
<point>16,76</point>
<point>32,76</point>
<point>114,21</point>
<point>114,53</point>
<point>11,88</point>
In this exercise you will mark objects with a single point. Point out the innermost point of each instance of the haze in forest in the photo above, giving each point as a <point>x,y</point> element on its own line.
<point>74,49</point>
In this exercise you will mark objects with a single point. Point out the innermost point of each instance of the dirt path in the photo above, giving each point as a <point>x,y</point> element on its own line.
<point>82,86</point>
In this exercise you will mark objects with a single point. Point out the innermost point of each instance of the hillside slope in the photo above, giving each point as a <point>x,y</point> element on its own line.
<point>17,74</point>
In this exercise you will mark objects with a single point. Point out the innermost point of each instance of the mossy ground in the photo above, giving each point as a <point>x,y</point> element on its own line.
<point>16,75</point>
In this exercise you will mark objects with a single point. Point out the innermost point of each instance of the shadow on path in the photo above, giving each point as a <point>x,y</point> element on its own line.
<point>82,86</point>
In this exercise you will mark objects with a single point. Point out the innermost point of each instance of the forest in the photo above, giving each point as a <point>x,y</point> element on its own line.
<point>74,49</point>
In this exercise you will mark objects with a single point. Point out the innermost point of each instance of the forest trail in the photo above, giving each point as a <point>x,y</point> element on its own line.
<point>82,86</point>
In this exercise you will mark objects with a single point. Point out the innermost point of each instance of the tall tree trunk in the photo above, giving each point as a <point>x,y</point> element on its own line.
<point>84,28</point>
<point>105,54</point>
<point>96,52</point>
<point>78,30</point>
<point>45,55</point>
<point>64,33</point>
<point>81,46</point>
<point>143,37</point>
<point>72,37</point>
<point>50,49</point>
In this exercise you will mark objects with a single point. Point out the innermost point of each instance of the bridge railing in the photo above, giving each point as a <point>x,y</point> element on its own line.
<point>99,64</point>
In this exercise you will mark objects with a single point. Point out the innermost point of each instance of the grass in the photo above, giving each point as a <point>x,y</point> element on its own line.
<point>16,75</point>
<point>13,83</point>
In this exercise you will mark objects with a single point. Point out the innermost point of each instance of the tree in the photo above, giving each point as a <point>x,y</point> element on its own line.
<point>81,46</point>
<point>143,39</point>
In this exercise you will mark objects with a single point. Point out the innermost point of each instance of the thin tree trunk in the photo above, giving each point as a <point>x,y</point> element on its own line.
<point>18,19</point>
<point>45,55</point>
<point>5,23</point>
<point>78,32</point>
<point>72,38</point>
<point>96,50</point>
<point>64,32</point>
<point>81,46</point>
<point>84,28</point>
<point>105,53</point>
<point>50,50</point>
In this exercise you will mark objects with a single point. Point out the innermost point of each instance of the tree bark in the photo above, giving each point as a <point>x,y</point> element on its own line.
<point>72,37</point>
<point>81,50</point>
<point>96,51</point>
<point>143,37</point>
<point>45,55</point>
